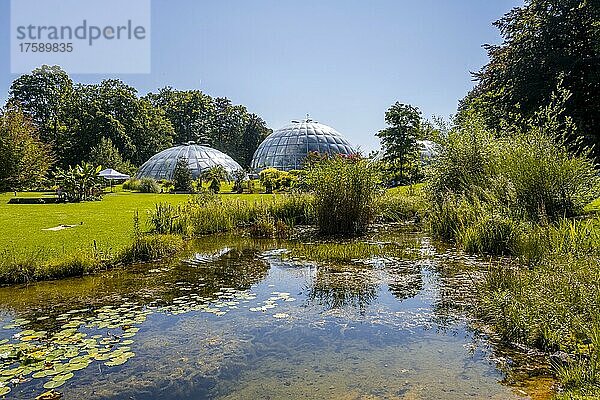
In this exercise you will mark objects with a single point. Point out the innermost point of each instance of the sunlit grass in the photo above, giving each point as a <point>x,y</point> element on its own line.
<point>103,225</point>
<point>593,207</point>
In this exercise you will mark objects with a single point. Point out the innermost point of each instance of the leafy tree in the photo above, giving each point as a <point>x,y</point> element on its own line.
<point>399,141</point>
<point>45,95</point>
<point>106,154</point>
<point>196,116</point>
<point>547,44</point>
<point>255,131</point>
<point>112,110</point>
<point>24,158</point>
<point>73,119</point>
<point>190,112</point>
<point>269,178</point>
<point>182,176</point>
<point>152,132</point>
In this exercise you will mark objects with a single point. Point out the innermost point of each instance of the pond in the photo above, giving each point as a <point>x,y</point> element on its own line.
<point>240,318</point>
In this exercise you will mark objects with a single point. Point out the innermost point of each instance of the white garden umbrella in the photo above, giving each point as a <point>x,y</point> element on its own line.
<point>111,175</point>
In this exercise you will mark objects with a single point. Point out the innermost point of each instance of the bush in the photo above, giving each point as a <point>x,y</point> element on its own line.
<point>149,185</point>
<point>150,248</point>
<point>80,183</point>
<point>447,218</point>
<point>491,234</point>
<point>239,176</point>
<point>465,164</point>
<point>397,207</point>
<point>545,180</point>
<point>485,189</point>
<point>213,176</point>
<point>266,226</point>
<point>345,191</point>
<point>132,184</point>
<point>270,178</point>
<point>527,173</point>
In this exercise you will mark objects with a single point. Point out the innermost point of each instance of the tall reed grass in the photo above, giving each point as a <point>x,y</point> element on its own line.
<point>345,191</point>
<point>205,214</point>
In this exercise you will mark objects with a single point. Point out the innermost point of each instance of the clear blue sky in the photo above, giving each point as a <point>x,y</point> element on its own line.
<point>344,61</point>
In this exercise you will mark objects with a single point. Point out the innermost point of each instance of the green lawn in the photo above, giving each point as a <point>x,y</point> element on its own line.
<point>409,190</point>
<point>594,206</point>
<point>109,222</point>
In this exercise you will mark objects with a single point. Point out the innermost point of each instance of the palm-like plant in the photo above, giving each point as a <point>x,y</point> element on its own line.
<point>214,176</point>
<point>79,183</point>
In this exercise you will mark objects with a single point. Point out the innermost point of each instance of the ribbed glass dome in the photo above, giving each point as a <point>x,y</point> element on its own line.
<point>200,158</point>
<point>286,148</point>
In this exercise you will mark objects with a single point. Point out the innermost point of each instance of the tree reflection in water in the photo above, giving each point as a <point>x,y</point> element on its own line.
<point>338,286</point>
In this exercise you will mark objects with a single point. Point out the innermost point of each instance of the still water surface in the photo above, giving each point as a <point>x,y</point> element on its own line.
<point>238,318</point>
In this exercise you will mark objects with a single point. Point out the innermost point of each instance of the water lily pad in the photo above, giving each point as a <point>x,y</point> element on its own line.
<point>63,377</point>
<point>76,366</point>
<point>49,395</point>
<point>53,384</point>
<point>116,361</point>
<point>39,374</point>
<point>103,356</point>
<point>4,390</point>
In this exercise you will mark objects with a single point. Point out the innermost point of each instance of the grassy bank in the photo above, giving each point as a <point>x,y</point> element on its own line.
<point>107,222</point>
<point>100,234</point>
<point>548,295</point>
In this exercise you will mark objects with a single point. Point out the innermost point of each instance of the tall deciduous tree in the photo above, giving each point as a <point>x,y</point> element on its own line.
<point>547,44</point>
<point>399,141</point>
<point>197,117</point>
<point>73,119</point>
<point>45,95</point>
<point>190,113</point>
<point>24,158</point>
<point>112,110</point>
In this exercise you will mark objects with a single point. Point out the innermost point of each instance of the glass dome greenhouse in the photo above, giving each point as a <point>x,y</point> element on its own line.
<point>286,148</point>
<point>200,158</point>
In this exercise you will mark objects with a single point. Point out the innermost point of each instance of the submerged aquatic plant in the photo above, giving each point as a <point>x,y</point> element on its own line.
<point>331,251</point>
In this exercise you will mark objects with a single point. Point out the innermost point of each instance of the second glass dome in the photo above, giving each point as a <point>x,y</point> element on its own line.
<point>199,158</point>
<point>286,148</point>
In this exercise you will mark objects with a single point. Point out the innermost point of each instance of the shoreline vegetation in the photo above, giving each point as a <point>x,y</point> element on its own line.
<point>527,196</point>
<point>151,227</point>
